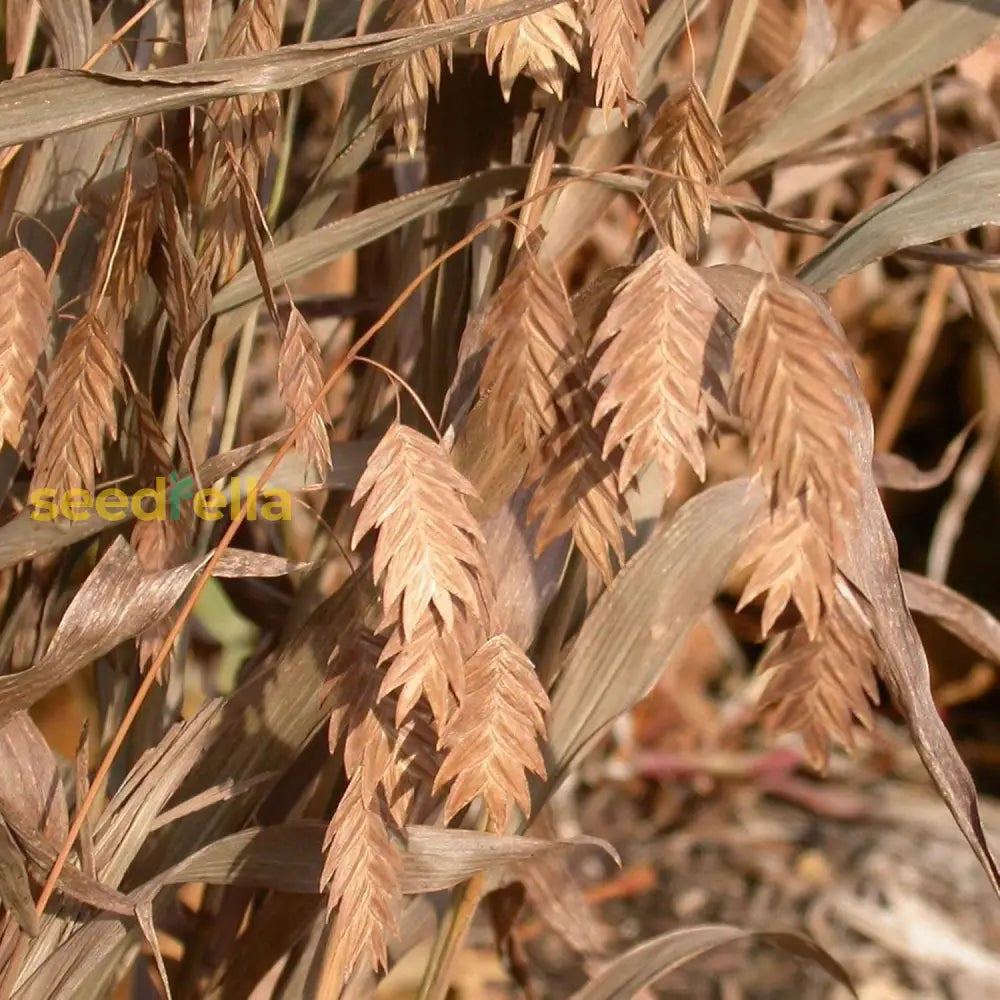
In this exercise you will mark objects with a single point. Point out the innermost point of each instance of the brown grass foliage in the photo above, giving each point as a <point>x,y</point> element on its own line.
<point>542,381</point>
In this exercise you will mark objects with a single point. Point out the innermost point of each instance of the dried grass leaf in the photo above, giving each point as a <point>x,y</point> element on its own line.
<point>955,198</point>
<point>642,617</point>
<point>116,602</point>
<point>651,350</point>
<point>964,618</point>
<point>540,45</point>
<point>927,37</point>
<point>69,24</point>
<point>685,144</point>
<point>403,87</point>
<point>428,549</point>
<point>288,857</point>
<point>617,29</point>
<point>650,961</point>
<point>30,778</point>
<point>300,381</point>
<point>75,100</point>
<point>492,739</point>
<point>819,38</point>
<point>197,19</point>
<point>79,409</point>
<point>15,889</point>
<point>25,307</point>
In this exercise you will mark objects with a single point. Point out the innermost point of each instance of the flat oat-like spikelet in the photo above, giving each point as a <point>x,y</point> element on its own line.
<point>397,760</point>
<point>578,492</point>
<point>791,562</point>
<point>25,307</point>
<point>651,354</point>
<point>174,269</point>
<point>818,688</point>
<point>403,86</point>
<point>794,384</point>
<point>428,553</point>
<point>430,664</point>
<point>538,44</point>
<point>239,135</point>
<point>362,877</point>
<point>79,409</point>
<point>617,30</point>
<point>533,345</point>
<point>684,142</point>
<point>125,249</point>
<point>492,739</point>
<point>300,381</point>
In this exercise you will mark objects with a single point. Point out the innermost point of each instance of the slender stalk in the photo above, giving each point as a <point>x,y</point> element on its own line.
<point>288,132</point>
<point>728,53</point>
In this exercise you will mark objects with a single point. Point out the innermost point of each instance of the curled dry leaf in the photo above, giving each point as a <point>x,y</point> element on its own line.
<point>116,602</point>
<point>287,857</point>
<point>684,145</point>
<point>894,472</point>
<point>428,549</point>
<point>403,87</point>
<point>79,409</point>
<point>965,619</point>
<point>30,778</point>
<point>629,974</point>
<point>538,44</point>
<point>532,336</point>
<point>25,306</point>
<point>617,29</point>
<point>651,356</point>
<point>300,381</point>
<point>492,739</point>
